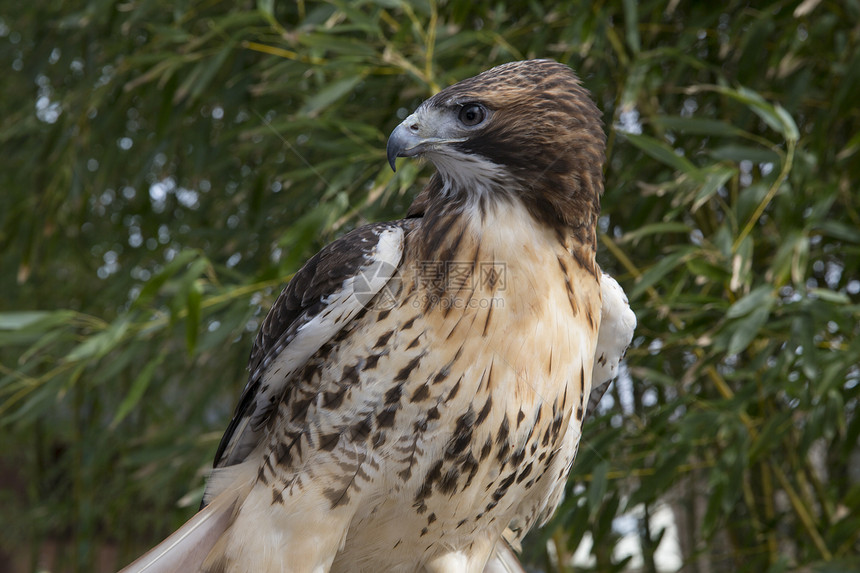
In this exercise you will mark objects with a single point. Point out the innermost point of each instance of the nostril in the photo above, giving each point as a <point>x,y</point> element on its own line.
<point>413,128</point>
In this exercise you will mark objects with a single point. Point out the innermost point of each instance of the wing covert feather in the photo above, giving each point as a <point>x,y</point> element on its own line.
<point>617,323</point>
<point>341,279</point>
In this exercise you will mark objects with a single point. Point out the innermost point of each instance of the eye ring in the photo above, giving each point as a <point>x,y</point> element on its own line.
<point>472,114</point>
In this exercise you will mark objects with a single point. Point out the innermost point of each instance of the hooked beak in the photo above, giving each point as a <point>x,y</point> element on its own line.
<point>403,142</point>
<point>417,134</point>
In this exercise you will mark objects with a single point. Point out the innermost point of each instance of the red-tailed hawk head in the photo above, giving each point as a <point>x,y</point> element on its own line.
<point>525,130</point>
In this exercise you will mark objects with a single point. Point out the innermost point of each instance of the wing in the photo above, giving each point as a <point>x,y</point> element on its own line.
<point>333,287</point>
<point>323,297</point>
<point>617,323</point>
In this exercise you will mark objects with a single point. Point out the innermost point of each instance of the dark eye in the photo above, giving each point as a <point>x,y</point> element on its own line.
<point>472,114</point>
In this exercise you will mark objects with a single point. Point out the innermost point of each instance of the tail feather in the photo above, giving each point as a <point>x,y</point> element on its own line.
<point>187,548</point>
<point>504,559</point>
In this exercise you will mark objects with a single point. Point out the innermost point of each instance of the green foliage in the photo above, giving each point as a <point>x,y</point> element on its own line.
<point>167,166</point>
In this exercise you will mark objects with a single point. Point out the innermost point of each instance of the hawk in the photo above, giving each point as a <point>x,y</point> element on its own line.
<point>416,394</point>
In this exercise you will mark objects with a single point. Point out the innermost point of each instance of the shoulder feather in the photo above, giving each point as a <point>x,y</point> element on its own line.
<point>617,323</point>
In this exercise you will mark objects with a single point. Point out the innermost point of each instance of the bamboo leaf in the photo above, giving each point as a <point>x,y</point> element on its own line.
<point>99,344</point>
<point>192,320</point>
<point>703,268</point>
<point>25,327</point>
<point>739,152</point>
<point>714,180</point>
<point>662,152</point>
<point>830,296</point>
<point>154,284</point>
<point>631,27</point>
<point>135,393</point>
<point>757,298</point>
<point>770,435</point>
<point>658,271</point>
<point>598,486</point>
<point>208,70</point>
<point>772,114</point>
<point>329,95</point>
<point>841,231</point>
<point>698,126</point>
<point>655,229</point>
<point>746,329</point>
<point>24,319</point>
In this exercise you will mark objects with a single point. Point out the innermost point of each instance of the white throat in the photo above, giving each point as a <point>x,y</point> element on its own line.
<point>473,175</point>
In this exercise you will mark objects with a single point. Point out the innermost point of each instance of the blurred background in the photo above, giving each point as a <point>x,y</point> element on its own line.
<point>167,166</point>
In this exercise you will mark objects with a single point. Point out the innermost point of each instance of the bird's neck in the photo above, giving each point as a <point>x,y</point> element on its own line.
<point>568,203</point>
<point>497,230</point>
